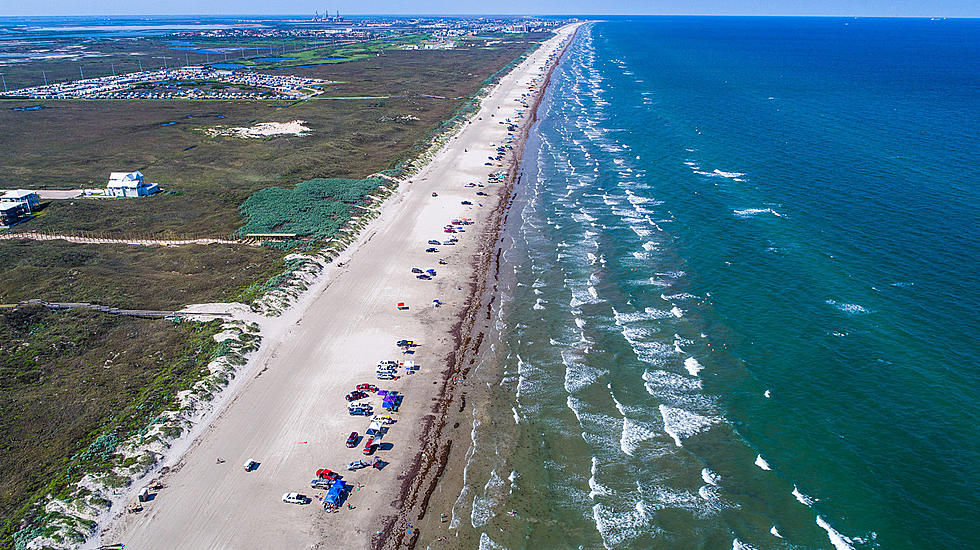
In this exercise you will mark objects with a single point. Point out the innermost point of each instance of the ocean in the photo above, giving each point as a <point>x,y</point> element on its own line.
<point>740,293</point>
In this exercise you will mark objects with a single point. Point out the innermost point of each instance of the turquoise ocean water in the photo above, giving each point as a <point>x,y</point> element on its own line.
<point>741,290</point>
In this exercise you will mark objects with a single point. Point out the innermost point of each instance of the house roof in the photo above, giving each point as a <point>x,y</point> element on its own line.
<point>18,194</point>
<point>126,176</point>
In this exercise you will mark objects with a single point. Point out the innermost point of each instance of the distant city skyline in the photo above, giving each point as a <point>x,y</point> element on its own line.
<point>882,8</point>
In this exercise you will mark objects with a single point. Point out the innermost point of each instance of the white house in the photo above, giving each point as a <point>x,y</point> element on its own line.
<point>129,184</point>
<point>28,199</point>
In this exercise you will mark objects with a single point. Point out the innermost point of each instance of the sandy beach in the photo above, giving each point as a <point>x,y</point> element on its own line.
<point>287,409</point>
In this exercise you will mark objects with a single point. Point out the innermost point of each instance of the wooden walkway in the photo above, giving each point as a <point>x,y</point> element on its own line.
<point>145,313</point>
<point>92,239</point>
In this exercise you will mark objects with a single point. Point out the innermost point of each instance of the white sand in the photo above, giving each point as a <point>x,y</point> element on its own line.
<point>263,129</point>
<point>288,411</point>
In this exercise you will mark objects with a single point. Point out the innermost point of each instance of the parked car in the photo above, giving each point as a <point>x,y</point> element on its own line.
<point>416,269</point>
<point>367,387</point>
<point>360,410</point>
<point>368,446</point>
<point>356,465</point>
<point>424,277</point>
<point>432,250</point>
<point>449,243</point>
<point>481,193</point>
<point>433,241</point>
<point>352,440</point>
<point>321,483</point>
<point>465,203</point>
<point>295,498</point>
<point>355,395</point>
<point>251,465</point>
<point>435,194</point>
<point>324,473</point>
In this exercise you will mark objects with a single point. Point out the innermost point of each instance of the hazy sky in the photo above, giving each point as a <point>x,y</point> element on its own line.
<point>947,8</point>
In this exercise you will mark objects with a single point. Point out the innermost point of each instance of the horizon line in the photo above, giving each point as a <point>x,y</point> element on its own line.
<point>550,15</point>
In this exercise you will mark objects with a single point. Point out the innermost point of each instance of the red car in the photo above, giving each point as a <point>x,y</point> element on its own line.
<point>324,473</point>
<point>367,387</point>
<point>369,446</point>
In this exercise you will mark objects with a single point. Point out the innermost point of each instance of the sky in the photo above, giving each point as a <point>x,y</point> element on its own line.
<point>884,8</point>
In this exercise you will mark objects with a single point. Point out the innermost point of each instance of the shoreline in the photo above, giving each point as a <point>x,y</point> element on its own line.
<point>195,490</point>
<point>431,464</point>
<point>434,463</point>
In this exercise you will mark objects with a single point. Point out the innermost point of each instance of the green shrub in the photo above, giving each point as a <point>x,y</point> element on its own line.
<point>314,209</point>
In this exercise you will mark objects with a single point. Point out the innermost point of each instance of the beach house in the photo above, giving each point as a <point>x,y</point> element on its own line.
<point>129,184</point>
<point>28,199</point>
<point>11,213</point>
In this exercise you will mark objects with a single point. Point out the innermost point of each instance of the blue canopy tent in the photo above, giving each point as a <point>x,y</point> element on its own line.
<point>335,495</point>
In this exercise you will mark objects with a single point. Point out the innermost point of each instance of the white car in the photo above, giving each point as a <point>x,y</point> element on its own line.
<point>295,498</point>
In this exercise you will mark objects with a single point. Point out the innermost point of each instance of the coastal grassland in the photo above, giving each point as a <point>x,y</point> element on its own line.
<point>134,277</point>
<point>75,144</point>
<point>64,399</point>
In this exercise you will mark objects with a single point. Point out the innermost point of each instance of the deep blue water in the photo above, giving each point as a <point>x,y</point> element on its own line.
<point>743,293</point>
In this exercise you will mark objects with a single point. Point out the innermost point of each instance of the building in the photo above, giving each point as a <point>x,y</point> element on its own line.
<point>12,212</point>
<point>27,198</point>
<point>129,184</point>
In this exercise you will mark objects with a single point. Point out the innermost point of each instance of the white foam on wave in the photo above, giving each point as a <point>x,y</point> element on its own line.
<point>710,494</point>
<point>482,511</point>
<point>839,541</point>
<point>693,366</point>
<point>729,175</point>
<point>650,351</point>
<point>761,462</point>
<point>617,527</point>
<point>676,312</point>
<point>634,432</point>
<point>804,499</point>
<point>577,375</point>
<point>539,304</point>
<point>850,309</point>
<point>648,314</point>
<point>662,379</point>
<point>681,424</point>
<point>677,296</point>
<point>775,532</point>
<point>739,545</point>
<point>596,488</point>
<point>752,212</point>
<point>710,477</point>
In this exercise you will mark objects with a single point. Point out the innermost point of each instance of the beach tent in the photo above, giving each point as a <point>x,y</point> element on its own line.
<point>336,494</point>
